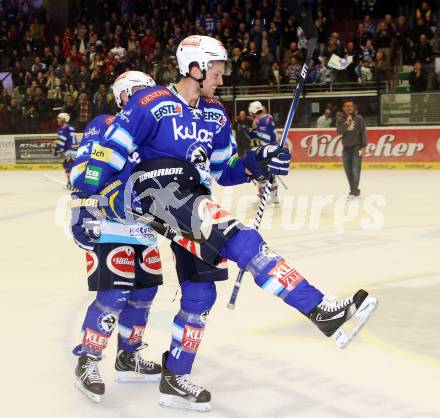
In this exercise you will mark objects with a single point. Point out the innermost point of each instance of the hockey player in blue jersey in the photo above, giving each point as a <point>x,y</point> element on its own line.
<point>66,143</point>
<point>264,133</point>
<point>123,262</point>
<point>184,141</point>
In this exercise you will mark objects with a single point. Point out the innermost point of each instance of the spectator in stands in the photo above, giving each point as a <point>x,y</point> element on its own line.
<point>15,116</point>
<point>403,39</point>
<point>424,12</point>
<point>365,71</point>
<point>418,82</point>
<point>170,74</point>
<point>83,112</point>
<point>325,120</point>
<point>70,106</point>
<point>382,41</point>
<point>31,119</point>
<point>325,73</point>
<point>421,28</point>
<point>381,68</point>
<point>242,125</point>
<point>293,70</point>
<point>423,51</point>
<point>265,74</point>
<point>418,78</point>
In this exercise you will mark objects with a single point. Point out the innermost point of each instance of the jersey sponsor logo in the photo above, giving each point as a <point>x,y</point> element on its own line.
<point>91,132</point>
<point>167,108</point>
<point>151,262</point>
<point>185,132</point>
<point>77,203</point>
<point>286,274</point>
<point>214,115</point>
<point>192,337</point>
<point>145,232</point>
<point>120,261</point>
<point>110,187</point>
<point>94,340</point>
<point>93,175</point>
<point>91,262</point>
<point>107,322</point>
<point>136,335</point>
<point>151,97</point>
<point>101,153</point>
<point>160,173</point>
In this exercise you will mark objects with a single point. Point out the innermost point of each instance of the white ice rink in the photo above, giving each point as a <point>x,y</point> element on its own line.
<point>263,359</point>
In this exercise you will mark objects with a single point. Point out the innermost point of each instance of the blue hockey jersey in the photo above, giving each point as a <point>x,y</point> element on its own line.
<point>93,133</point>
<point>265,131</point>
<point>108,203</point>
<point>66,141</point>
<point>157,122</point>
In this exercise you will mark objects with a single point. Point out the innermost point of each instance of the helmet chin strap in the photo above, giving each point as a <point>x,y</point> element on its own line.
<point>199,80</point>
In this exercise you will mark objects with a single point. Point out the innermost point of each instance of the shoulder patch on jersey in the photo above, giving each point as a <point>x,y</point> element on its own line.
<point>108,121</point>
<point>267,119</point>
<point>154,95</point>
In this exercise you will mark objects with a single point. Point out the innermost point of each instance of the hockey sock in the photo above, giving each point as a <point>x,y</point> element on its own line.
<point>189,324</point>
<point>271,272</point>
<point>100,320</point>
<point>134,317</point>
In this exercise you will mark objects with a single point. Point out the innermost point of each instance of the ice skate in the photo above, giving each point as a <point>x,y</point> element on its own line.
<point>342,318</point>
<point>131,367</point>
<point>88,380</point>
<point>178,392</point>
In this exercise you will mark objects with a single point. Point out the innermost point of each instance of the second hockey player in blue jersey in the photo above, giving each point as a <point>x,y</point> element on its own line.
<point>264,133</point>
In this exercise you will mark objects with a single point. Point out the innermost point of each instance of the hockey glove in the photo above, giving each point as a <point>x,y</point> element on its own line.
<point>266,160</point>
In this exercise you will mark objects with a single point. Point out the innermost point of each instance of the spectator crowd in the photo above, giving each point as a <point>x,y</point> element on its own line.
<point>72,71</point>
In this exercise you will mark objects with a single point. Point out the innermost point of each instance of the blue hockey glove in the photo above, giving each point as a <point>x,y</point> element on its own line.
<point>266,160</point>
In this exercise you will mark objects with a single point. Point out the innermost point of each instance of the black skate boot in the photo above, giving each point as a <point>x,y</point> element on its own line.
<point>88,380</point>
<point>131,367</point>
<point>332,313</point>
<point>178,392</point>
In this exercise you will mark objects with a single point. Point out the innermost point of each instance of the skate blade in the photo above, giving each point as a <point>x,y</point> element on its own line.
<point>171,401</point>
<point>343,336</point>
<point>136,377</point>
<point>93,396</point>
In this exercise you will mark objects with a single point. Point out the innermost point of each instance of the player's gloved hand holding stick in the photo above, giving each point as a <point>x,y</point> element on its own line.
<point>304,20</point>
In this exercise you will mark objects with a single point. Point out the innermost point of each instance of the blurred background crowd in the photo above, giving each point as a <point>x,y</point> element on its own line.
<point>72,70</point>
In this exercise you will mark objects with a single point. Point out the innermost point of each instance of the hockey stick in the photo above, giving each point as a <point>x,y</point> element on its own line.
<point>305,21</point>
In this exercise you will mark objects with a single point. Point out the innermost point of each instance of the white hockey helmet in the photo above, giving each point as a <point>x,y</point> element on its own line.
<point>127,81</point>
<point>64,116</point>
<point>255,107</point>
<point>201,50</point>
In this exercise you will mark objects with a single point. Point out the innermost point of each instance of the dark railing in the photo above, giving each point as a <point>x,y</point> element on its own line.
<point>374,102</point>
